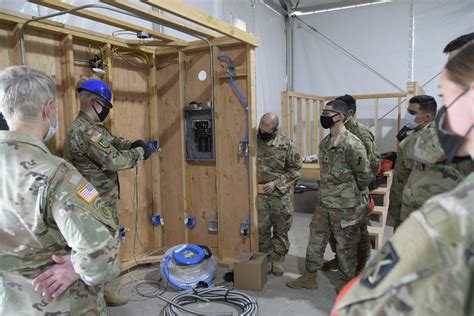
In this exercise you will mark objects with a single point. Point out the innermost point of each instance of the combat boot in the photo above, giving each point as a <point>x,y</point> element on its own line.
<point>307,280</point>
<point>330,265</point>
<point>278,268</point>
<point>112,299</point>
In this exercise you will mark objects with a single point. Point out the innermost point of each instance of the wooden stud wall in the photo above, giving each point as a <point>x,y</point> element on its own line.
<point>148,104</point>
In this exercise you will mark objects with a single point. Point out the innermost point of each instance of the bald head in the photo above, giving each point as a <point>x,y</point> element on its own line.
<point>269,122</point>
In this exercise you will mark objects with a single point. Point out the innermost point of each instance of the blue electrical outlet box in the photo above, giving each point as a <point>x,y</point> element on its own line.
<point>157,220</point>
<point>190,222</point>
<point>153,145</point>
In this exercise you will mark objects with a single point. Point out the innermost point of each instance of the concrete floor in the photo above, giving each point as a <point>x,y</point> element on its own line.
<point>275,299</point>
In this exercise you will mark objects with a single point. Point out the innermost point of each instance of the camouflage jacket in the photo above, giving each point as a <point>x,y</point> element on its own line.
<point>364,134</point>
<point>278,161</point>
<point>403,168</point>
<point>430,274</point>
<point>98,156</point>
<point>46,205</point>
<point>428,179</point>
<point>345,170</point>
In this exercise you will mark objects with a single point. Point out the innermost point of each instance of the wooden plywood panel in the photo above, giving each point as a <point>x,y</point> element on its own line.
<point>131,121</point>
<point>6,44</point>
<point>200,175</point>
<point>231,176</point>
<point>169,123</point>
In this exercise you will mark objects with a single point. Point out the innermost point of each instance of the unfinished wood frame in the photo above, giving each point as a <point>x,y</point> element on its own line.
<point>309,132</point>
<point>150,87</point>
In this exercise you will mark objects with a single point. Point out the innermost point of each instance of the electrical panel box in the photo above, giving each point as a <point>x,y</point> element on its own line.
<point>199,131</point>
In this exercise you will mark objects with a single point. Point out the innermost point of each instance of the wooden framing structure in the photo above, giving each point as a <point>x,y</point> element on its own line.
<point>300,114</point>
<point>151,86</point>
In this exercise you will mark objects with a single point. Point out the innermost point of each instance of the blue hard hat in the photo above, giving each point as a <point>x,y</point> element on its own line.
<point>97,87</point>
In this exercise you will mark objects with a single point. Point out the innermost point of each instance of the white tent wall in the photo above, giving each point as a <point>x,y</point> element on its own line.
<point>378,35</point>
<point>261,21</point>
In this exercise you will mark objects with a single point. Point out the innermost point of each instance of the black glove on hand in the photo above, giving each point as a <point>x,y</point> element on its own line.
<point>146,150</point>
<point>138,143</point>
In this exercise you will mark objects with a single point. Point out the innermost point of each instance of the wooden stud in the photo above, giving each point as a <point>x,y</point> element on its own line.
<point>299,127</point>
<point>15,53</point>
<point>321,129</point>
<point>67,61</point>
<point>307,115</point>
<point>189,13</point>
<point>399,112</point>
<point>155,158</point>
<point>252,99</point>
<point>284,113</point>
<point>221,41</point>
<point>158,18</point>
<point>108,123</point>
<point>291,119</point>
<point>93,16</point>
<point>184,165</point>
<point>315,126</point>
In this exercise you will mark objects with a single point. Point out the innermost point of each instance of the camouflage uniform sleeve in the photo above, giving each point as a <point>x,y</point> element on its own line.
<point>425,146</point>
<point>107,156</point>
<point>373,154</point>
<point>359,164</point>
<point>121,143</point>
<point>86,224</point>
<point>292,166</point>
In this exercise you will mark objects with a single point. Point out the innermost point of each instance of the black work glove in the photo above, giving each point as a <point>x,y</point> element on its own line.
<point>146,150</point>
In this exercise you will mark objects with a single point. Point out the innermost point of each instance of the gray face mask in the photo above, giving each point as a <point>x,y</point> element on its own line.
<point>52,128</point>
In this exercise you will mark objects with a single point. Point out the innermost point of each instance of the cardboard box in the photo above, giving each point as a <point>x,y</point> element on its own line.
<point>250,271</point>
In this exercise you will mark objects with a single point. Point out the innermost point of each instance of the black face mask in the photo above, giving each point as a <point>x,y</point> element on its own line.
<point>327,121</point>
<point>103,114</point>
<point>266,136</point>
<point>449,142</point>
<point>403,133</point>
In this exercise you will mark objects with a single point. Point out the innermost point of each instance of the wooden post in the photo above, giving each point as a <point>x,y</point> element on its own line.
<point>284,113</point>
<point>155,159</point>
<point>67,61</point>
<point>321,129</point>
<point>109,80</point>
<point>291,119</point>
<point>182,101</point>
<point>315,126</point>
<point>307,116</point>
<point>299,127</point>
<point>15,53</point>
<point>251,88</point>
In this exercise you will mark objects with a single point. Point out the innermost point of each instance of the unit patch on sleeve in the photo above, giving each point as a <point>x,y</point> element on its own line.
<point>96,137</point>
<point>88,193</point>
<point>380,266</point>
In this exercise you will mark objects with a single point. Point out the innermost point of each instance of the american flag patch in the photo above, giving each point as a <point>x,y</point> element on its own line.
<point>88,193</point>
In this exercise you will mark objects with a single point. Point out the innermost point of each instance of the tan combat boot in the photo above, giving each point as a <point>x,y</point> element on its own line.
<point>112,299</point>
<point>330,265</point>
<point>307,280</point>
<point>278,268</point>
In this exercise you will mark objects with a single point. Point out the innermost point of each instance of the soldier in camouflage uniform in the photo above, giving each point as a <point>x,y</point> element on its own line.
<point>373,155</point>
<point>46,206</point>
<point>432,174</point>
<point>433,273</point>
<point>345,176</point>
<point>97,154</point>
<point>278,167</point>
<point>420,113</point>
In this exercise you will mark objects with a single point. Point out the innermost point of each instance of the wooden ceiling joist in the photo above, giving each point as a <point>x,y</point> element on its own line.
<point>189,13</point>
<point>60,28</point>
<point>150,15</point>
<point>87,14</point>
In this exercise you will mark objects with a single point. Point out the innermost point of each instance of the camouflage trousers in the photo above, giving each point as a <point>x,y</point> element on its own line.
<point>275,215</point>
<point>363,247</point>
<point>324,222</point>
